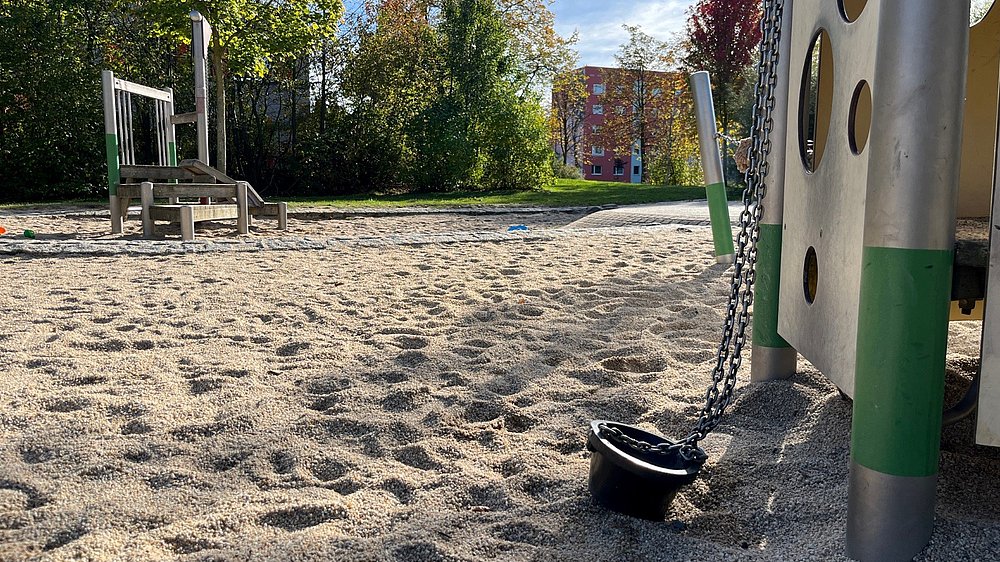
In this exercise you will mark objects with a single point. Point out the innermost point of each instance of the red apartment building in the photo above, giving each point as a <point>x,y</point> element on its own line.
<point>596,161</point>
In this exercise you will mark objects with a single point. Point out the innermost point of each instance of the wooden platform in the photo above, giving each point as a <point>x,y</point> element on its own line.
<point>195,180</point>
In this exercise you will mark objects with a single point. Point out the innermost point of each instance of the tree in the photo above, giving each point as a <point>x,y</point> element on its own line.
<point>537,51</point>
<point>638,95</point>
<point>248,37</point>
<point>723,36</point>
<point>569,103</point>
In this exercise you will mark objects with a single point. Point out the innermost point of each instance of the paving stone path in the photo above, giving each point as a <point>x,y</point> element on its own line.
<point>601,220</point>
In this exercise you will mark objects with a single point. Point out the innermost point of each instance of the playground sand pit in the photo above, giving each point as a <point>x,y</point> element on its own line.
<point>404,403</point>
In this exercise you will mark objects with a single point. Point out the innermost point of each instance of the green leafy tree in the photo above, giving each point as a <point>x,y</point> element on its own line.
<point>50,117</point>
<point>638,94</point>
<point>722,37</point>
<point>249,37</point>
<point>569,104</point>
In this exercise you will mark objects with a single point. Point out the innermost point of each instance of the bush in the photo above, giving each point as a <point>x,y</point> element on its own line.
<point>565,171</point>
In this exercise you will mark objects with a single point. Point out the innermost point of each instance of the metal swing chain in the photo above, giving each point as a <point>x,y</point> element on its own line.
<point>720,393</point>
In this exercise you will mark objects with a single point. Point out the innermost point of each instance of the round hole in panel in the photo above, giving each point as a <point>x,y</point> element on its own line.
<point>851,9</point>
<point>979,11</point>
<point>810,275</point>
<point>816,101</point>
<point>859,123</point>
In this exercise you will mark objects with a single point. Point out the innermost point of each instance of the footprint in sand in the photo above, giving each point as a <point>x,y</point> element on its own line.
<point>406,400</point>
<point>417,456</point>
<point>227,461</point>
<point>303,516</point>
<point>411,358</point>
<point>418,550</point>
<point>404,492</point>
<point>492,496</point>
<point>511,467</point>
<point>36,454</point>
<point>327,469</point>
<point>524,532</point>
<point>189,545</point>
<point>483,411</point>
<point>64,405</point>
<point>633,364</point>
<point>292,349</point>
<point>410,342</point>
<point>137,455</point>
<point>283,462</point>
<point>64,537</point>
<point>136,427</point>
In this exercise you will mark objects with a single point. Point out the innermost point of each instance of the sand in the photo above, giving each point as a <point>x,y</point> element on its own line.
<point>411,403</point>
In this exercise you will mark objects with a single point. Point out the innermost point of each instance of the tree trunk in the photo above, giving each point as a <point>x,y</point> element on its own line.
<point>322,87</point>
<point>219,68</point>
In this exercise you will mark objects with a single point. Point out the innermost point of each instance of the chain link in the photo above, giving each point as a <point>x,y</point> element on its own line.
<point>729,357</point>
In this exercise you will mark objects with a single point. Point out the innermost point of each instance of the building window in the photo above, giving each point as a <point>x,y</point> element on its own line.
<point>619,170</point>
<point>635,170</point>
<point>594,129</point>
<point>620,110</point>
<point>598,110</point>
<point>596,170</point>
<point>597,151</point>
<point>598,89</point>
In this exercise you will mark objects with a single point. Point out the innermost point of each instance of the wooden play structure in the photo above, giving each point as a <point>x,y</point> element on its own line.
<point>885,134</point>
<point>187,192</point>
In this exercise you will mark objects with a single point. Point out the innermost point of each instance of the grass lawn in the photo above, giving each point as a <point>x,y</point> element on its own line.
<point>563,193</point>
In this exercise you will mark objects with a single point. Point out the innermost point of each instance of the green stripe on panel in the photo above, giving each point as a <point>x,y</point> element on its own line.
<point>766,282</point>
<point>172,153</point>
<point>111,145</point>
<point>899,378</point>
<point>718,211</point>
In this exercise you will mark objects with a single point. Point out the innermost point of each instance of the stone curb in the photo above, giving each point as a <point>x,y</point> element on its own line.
<point>65,248</point>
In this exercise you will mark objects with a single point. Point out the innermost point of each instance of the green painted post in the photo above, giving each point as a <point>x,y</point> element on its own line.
<point>111,148</point>
<point>711,161</point>
<point>915,145</point>
<point>772,358</point>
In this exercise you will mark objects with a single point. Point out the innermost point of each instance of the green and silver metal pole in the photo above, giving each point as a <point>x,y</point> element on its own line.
<point>916,141</point>
<point>111,147</point>
<point>711,162</point>
<point>772,357</point>
<point>171,131</point>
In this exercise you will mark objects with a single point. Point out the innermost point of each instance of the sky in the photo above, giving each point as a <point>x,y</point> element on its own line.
<point>599,23</point>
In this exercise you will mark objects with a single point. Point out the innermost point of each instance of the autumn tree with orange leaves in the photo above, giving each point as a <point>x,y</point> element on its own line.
<point>723,36</point>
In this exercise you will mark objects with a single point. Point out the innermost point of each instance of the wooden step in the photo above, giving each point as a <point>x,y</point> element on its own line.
<point>197,167</point>
<point>164,190</point>
<point>154,173</point>
<point>200,213</point>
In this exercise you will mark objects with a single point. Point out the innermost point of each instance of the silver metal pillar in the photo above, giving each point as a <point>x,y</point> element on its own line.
<point>187,223</point>
<point>242,211</point>
<point>282,216</point>
<point>111,147</point>
<point>711,163</point>
<point>704,111</point>
<point>146,196</point>
<point>916,137</point>
<point>201,33</point>
<point>772,358</point>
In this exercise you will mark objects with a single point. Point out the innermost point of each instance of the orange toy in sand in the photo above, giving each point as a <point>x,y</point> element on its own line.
<point>3,230</point>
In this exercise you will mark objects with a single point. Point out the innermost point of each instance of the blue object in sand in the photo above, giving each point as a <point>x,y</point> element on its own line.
<point>517,227</point>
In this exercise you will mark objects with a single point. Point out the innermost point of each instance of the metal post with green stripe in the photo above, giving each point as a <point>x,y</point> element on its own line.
<point>111,147</point>
<point>913,176</point>
<point>772,357</point>
<point>711,162</point>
